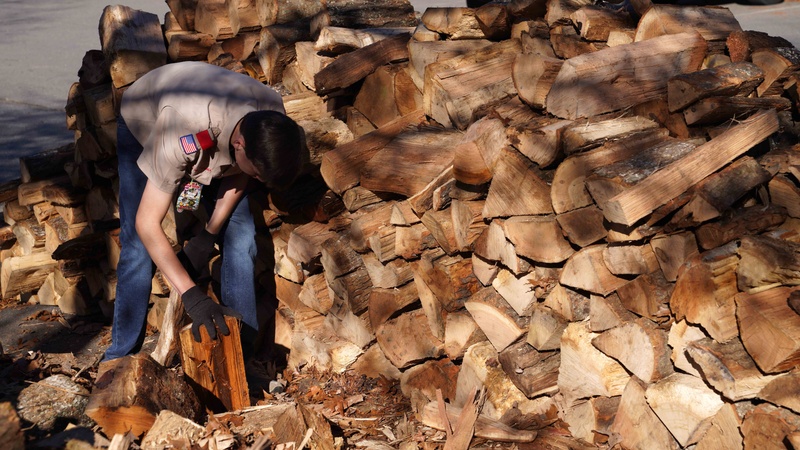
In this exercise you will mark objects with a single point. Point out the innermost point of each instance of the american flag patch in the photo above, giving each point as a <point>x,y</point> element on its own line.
<point>188,144</point>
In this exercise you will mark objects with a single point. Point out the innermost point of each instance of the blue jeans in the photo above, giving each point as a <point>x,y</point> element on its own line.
<point>135,269</point>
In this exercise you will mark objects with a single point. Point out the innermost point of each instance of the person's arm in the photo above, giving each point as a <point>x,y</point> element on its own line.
<point>231,190</point>
<point>153,208</point>
<point>199,306</point>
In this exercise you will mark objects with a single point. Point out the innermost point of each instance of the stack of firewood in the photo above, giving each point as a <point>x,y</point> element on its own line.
<point>588,211</point>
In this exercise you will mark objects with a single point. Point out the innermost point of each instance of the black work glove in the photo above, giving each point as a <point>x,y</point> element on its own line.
<point>195,254</point>
<point>204,311</point>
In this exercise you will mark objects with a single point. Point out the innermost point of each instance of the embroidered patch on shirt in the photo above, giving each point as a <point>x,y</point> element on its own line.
<point>203,140</point>
<point>188,144</point>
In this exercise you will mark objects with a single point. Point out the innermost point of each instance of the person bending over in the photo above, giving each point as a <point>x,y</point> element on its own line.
<point>204,133</point>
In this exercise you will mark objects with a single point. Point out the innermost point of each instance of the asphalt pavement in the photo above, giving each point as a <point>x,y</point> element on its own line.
<point>43,43</point>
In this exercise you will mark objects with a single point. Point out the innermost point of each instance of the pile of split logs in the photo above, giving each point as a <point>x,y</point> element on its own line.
<point>590,211</point>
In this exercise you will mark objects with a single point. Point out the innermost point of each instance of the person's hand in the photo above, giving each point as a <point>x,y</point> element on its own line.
<point>204,311</point>
<point>195,254</point>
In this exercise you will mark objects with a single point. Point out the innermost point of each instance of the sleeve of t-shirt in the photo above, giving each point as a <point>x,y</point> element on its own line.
<point>164,160</point>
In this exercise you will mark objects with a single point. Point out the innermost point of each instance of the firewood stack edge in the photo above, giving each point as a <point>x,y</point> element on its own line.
<point>588,211</point>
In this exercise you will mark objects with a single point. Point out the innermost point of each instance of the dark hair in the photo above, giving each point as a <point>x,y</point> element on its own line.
<point>273,142</point>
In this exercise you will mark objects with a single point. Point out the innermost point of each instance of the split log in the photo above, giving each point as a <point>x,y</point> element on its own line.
<point>586,270</point>
<point>767,426</point>
<point>586,77</point>
<point>132,42</point>
<point>540,141</point>
<point>417,343</point>
<point>480,370</point>
<point>351,67</point>
<point>595,23</point>
<point>353,289</point>
<point>409,162</point>
<point>484,427</point>
<point>301,425</point>
<point>672,251</point>
<point>742,222</point>
<point>514,173</point>
<point>168,427</point>
<point>538,238</point>
<point>741,44</point>
<point>640,347</point>
<point>606,182</point>
<point>532,372</point>
<point>388,94</point>
<point>721,190</point>
<point>636,423</point>
<point>735,79</point>
<point>342,40</point>
<point>685,405</point>
<point>183,12</point>
<point>21,274</point>
<point>728,368</point>
<point>647,296</point>
<point>216,367</point>
<point>460,333</point>
<point>479,149</point>
<point>567,43</point>
<point>546,328</point>
<point>422,54</point>
<point>385,303</point>
<point>46,164</point>
<point>767,262</point>
<point>590,420</point>
<point>449,278</point>
<point>608,312</point>
<point>568,190</point>
<point>778,65</point>
<point>454,22</point>
<point>499,322</point>
<point>785,193</point>
<point>494,20</point>
<point>308,63</point>
<point>571,304</point>
<point>630,260</point>
<point>630,206</point>
<point>341,167</point>
<point>429,381</point>
<point>559,11</point>
<point>782,391</point>
<point>681,334</point>
<point>518,291</point>
<point>214,17</point>
<point>583,226</point>
<point>364,14</point>
<point>276,49</point>
<point>714,110</point>
<point>768,328</point>
<point>713,23</point>
<point>458,89</point>
<point>492,245</point>
<point>724,431</point>
<point>586,371</point>
<point>130,392</point>
<point>585,135</point>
